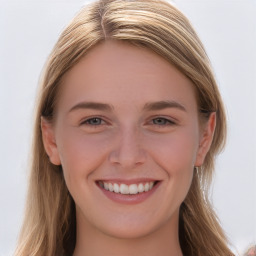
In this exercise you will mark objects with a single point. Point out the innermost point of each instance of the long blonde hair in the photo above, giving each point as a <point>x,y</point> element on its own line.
<point>50,226</point>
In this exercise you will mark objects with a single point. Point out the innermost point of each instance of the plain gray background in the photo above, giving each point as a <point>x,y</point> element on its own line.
<point>227,28</point>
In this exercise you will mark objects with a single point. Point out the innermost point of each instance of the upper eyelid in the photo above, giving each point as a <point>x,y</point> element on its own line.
<point>170,119</point>
<point>166,119</point>
<point>150,119</point>
<point>84,120</point>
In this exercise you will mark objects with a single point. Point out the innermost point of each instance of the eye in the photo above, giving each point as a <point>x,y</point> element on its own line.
<point>162,121</point>
<point>94,124</point>
<point>95,121</point>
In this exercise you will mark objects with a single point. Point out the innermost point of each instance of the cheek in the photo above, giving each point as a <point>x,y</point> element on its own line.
<point>175,152</point>
<point>80,154</point>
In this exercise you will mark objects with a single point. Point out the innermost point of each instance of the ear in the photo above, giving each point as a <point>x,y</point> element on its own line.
<point>206,139</point>
<point>48,137</point>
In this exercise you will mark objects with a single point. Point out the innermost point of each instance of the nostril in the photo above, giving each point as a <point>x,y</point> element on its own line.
<point>128,151</point>
<point>126,158</point>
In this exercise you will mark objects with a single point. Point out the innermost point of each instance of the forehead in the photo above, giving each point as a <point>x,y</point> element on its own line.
<point>117,72</point>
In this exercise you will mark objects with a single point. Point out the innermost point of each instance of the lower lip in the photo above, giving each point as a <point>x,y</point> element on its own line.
<point>129,199</point>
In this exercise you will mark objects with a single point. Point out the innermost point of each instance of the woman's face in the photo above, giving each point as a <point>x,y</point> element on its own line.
<point>126,120</point>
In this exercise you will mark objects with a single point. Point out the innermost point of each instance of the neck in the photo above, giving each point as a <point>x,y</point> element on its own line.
<point>164,241</point>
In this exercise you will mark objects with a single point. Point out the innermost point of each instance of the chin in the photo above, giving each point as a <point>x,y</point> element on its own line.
<point>134,227</point>
<point>126,232</point>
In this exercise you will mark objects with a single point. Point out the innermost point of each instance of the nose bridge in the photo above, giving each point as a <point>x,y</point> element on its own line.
<point>128,151</point>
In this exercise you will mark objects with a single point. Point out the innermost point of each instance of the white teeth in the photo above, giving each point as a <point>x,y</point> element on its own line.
<point>124,189</point>
<point>105,185</point>
<point>133,189</point>
<point>116,188</point>
<point>141,188</point>
<point>147,187</point>
<point>127,189</point>
<point>110,187</point>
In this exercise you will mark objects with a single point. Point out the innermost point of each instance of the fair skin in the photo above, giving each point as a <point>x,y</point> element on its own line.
<point>126,116</point>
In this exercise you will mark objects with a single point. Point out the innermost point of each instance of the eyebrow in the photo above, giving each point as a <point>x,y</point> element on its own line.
<point>159,105</point>
<point>151,106</point>
<point>92,105</point>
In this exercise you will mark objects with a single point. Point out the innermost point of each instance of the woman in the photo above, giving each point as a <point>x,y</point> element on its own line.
<point>129,121</point>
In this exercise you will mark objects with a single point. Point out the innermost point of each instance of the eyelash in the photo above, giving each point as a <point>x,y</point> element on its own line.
<point>167,122</point>
<point>87,121</point>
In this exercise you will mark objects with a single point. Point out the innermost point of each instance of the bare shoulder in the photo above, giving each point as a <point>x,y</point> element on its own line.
<point>251,251</point>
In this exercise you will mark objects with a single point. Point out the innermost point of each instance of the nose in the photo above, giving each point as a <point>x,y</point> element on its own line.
<point>128,152</point>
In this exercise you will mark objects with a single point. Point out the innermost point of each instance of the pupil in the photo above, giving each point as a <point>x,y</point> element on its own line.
<point>95,121</point>
<point>159,121</point>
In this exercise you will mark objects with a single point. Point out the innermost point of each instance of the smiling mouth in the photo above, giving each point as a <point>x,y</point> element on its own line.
<point>125,189</point>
